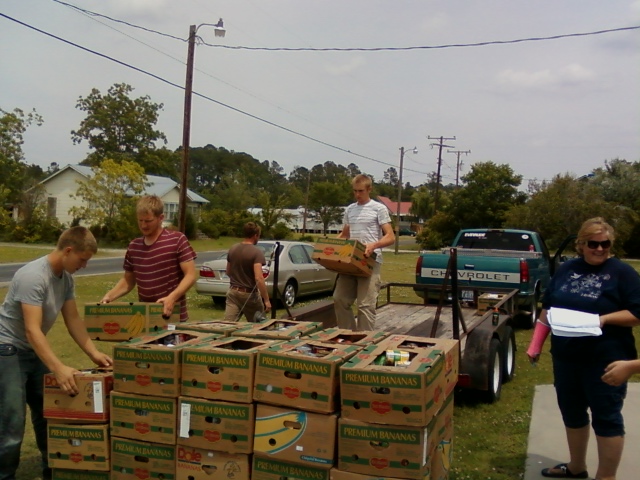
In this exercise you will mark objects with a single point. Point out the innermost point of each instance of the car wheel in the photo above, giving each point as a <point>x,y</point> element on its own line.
<point>528,320</point>
<point>509,355</point>
<point>289,294</point>
<point>494,372</point>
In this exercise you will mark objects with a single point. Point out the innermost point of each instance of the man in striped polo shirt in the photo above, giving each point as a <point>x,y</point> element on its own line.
<point>369,222</point>
<point>161,262</point>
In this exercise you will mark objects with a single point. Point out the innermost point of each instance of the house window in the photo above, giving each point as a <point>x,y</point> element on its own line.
<point>170,211</point>
<point>51,207</point>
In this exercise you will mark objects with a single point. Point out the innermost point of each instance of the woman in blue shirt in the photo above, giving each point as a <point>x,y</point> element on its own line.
<point>600,284</point>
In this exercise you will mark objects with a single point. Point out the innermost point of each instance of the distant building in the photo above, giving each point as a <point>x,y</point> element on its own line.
<point>296,223</point>
<point>61,187</point>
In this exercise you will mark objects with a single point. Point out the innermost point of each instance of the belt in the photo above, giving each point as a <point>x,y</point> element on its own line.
<point>241,289</point>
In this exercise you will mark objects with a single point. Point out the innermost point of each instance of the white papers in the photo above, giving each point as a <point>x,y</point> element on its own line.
<point>572,323</point>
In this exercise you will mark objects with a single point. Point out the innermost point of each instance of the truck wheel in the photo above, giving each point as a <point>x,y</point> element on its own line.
<point>528,320</point>
<point>494,372</point>
<point>509,355</point>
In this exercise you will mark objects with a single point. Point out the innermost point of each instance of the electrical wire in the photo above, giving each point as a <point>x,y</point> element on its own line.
<point>205,97</point>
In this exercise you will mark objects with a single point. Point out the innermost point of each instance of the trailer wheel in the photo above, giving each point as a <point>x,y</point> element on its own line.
<point>494,371</point>
<point>509,355</point>
<point>528,320</point>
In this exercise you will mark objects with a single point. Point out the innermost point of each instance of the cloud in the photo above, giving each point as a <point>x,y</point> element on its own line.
<point>346,68</point>
<point>569,75</point>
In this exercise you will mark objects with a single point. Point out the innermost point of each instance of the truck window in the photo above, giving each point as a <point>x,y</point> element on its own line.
<point>496,240</point>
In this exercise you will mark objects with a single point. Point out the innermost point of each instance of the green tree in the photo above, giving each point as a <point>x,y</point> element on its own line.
<point>326,203</point>
<point>13,171</point>
<point>122,128</point>
<point>488,192</point>
<point>273,212</point>
<point>108,197</point>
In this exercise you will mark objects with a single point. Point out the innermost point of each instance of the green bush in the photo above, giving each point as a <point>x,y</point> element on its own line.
<point>307,238</point>
<point>280,231</point>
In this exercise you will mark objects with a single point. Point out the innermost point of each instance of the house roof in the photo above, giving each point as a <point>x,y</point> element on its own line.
<point>393,206</point>
<point>159,186</point>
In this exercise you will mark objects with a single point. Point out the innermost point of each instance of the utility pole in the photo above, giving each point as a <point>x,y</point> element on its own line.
<point>458,163</point>
<point>415,150</point>
<point>440,146</point>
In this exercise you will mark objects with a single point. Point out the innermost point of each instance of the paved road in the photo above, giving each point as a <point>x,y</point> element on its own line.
<point>96,266</point>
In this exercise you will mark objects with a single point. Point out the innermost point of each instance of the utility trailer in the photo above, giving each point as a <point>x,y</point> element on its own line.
<point>486,337</point>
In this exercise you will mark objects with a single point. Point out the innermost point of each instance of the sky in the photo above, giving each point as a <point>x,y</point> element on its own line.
<point>339,81</point>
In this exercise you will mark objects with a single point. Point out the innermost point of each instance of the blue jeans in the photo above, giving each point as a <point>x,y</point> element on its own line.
<point>21,384</point>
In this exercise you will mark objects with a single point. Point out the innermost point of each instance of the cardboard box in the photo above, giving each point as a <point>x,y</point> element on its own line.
<point>295,436</point>
<point>394,451</point>
<point>150,365</point>
<point>343,256</point>
<point>486,301</point>
<point>336,474</point>
<point>349,337</point>
<point>91,405</point>
<point>61,474</point>
<point>409,393</point>
<point>216,425</point>
<point>200,464</point>
<point>450,349</point>
<point>144,417</point>
<point>222,369</point>
<point>135,460</point>
<point>440,460</point>
<point>78,447</point>
<point>265,468</point>
<point>119,321</point>
<point>302,374</point>
<point>220,327</point>
<point>278,329</point>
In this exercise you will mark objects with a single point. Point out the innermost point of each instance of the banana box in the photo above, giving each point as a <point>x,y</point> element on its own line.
<point>400,381</point>
<point>78,447</point>
<point>91,405</point>
<point>222,369</point>
<point>223,328</point>
<point>62,474</point>
<point>135,460</point>
<point>144,417</point>
<point>279,329</point>
<point>349,337</point>
<point>392,451</point>
<point>119,321</point>
<point>344,256</point>
<point>216,425</point>
<point>266,468</point>
<point>200,464</point>
<point>302,374</point>
<point>150,365</point>
<point>442,456</point>
<point>336,474</point>
<point>295,436</point>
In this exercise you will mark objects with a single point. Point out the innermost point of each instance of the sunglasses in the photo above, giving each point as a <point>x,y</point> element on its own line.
<point>593,245</point>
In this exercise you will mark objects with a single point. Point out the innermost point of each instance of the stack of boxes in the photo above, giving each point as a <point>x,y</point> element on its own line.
<point>77,426</point>
<point>259,401</point>
<point>397,407</point>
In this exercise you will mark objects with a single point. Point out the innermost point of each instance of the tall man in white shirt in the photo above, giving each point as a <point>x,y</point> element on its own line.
<point>369,222</point>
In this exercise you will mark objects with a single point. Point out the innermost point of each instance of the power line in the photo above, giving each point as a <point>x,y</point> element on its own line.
<point>205,97</point>
<point>364,49</point>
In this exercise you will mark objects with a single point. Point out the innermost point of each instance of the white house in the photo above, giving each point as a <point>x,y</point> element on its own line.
<point>61,187</point>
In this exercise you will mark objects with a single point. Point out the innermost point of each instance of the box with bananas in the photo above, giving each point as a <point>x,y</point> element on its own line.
<point>120,321</point>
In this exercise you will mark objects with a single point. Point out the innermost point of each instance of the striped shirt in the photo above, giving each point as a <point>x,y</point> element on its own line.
<point>156,267</point>
<point>365,223</point>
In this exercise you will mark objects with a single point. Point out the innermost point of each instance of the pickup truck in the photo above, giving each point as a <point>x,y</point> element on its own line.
<point>494,258</point>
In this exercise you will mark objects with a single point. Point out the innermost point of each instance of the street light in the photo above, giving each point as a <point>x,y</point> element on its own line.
<point>186,130</point>
<point>415,150</point>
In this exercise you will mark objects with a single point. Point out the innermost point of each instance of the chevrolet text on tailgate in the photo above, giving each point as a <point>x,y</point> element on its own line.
<point>500,258</point>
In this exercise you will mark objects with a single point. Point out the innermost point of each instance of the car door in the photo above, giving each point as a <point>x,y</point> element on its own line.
<point>323,279</point>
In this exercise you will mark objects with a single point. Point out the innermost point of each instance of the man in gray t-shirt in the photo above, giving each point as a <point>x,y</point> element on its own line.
<point>39,291</point>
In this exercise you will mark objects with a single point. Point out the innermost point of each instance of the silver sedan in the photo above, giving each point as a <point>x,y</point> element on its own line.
<point>298,274</point>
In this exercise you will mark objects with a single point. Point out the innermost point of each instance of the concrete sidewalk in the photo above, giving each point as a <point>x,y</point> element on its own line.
<point>547,445</point>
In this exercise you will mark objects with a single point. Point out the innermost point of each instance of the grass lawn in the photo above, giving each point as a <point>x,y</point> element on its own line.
<point>490,441</point>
